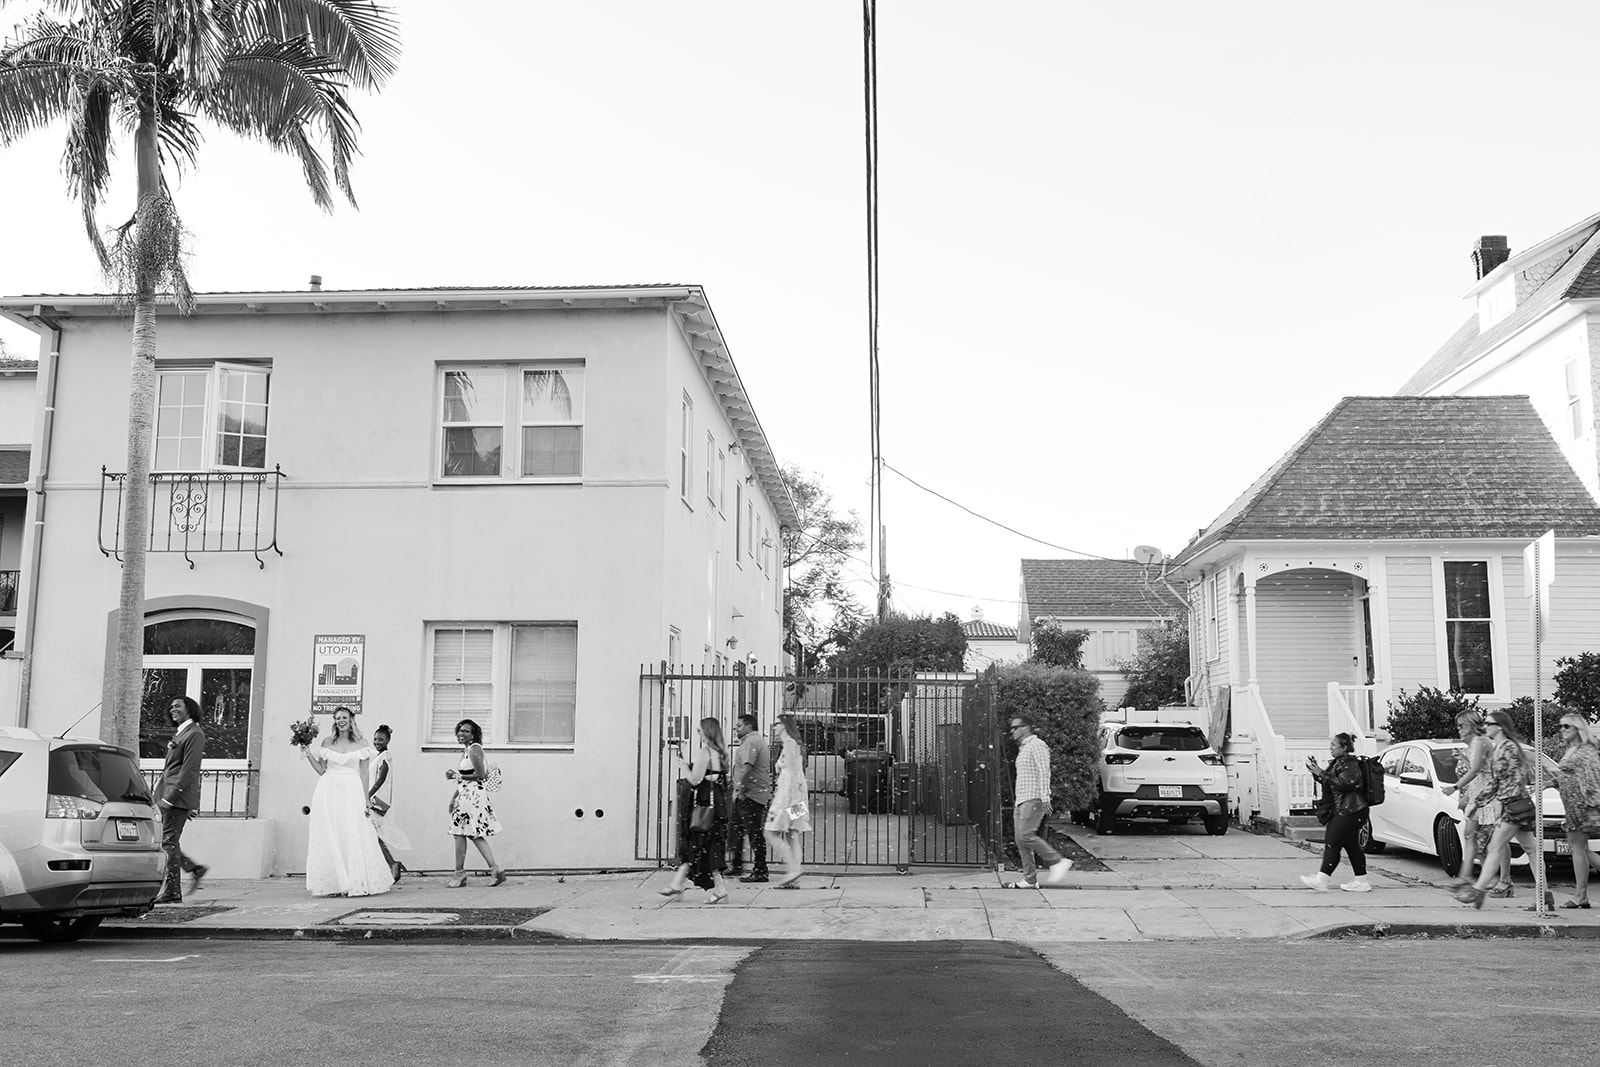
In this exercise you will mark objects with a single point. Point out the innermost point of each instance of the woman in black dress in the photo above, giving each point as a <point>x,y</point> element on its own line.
<point>703,851</point>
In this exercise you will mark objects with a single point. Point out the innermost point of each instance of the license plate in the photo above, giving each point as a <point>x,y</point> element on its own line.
<point>1563,846</point>
<point>1171,792</point>
<point>127,831</point>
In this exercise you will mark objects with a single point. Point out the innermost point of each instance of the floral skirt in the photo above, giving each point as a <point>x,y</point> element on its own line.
<point>470,812</point>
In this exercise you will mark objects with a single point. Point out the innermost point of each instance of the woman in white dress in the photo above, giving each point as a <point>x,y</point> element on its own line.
<point>380,802</point>
<point>343,858</point>
<point>789,815</point>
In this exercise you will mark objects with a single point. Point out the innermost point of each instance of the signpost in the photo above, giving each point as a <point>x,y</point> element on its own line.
<point>1538,570</point>
<point>336,672</point>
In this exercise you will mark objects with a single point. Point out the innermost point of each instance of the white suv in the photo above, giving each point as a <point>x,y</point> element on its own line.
<point>1159,770</point>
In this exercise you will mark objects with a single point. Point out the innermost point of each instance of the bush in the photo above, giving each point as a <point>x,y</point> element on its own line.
<point>1157,673</point>
<point>1578,683</point>
<point>1065,707</point>
<point>1521,710</point>
<point>1429,713</point>
<point>1055,647</point>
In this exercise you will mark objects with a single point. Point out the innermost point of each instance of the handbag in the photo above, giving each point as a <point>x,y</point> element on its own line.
<point>1517,809</point>
<point>702,817</point>
<point>492,780</point>
<point>798,810</point>
<point>378,805</point>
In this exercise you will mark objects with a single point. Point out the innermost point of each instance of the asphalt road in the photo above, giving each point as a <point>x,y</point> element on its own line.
<point>949,1004</point>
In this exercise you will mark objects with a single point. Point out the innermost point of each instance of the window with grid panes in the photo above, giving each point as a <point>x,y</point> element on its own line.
<point>518,681</point>
<point>211,417</point>
<point>511,422</point>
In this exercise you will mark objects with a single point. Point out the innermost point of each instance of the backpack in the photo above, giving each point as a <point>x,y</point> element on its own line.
<point>1371,780</point>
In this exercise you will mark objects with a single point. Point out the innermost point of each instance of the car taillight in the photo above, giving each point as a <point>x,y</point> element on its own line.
<point>1211,759</point>
<point>58,806</point>
<point>1117,759</point>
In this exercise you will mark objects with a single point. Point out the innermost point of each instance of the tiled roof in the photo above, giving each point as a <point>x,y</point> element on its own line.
<point>1577,279</point>
<point>13,466</point>
<point>1414,467</point>
<point>980,630</point>
<point>1096,588</point>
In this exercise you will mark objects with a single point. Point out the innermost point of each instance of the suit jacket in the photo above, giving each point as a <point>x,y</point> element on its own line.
<point>180,777</point>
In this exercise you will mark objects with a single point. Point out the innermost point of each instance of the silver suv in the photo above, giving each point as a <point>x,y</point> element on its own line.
<point>1159,770</point>
<point>79,835</point>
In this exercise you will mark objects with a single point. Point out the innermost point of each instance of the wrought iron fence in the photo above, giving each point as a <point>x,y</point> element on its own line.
<point>8,592</point>
<point>198,511</point>
<point>902,769</point>
<point>225,793</point>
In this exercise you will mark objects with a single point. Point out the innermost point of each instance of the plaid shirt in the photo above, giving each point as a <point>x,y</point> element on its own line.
<point>1033,770</point>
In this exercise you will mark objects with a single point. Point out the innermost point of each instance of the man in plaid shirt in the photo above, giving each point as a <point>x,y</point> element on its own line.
<point>1033,802</point>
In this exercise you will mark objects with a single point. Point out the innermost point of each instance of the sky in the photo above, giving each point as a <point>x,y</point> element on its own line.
<point>1129,253</point>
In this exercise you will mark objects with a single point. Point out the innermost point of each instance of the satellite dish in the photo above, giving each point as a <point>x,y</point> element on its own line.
<point>1148,554</point>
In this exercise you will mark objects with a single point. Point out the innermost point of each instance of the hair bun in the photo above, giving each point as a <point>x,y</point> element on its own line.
<point>384,727</point>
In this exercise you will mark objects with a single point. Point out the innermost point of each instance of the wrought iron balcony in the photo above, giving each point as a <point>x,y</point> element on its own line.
<point>198,511</point>
<point>8,592</point>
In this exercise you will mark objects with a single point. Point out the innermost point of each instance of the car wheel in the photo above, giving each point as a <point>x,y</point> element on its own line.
<point>1105,820</point>
<point>56,930</point>
<point>1448,843</point>
<point>1217,825</point>
<point>1369,844</point>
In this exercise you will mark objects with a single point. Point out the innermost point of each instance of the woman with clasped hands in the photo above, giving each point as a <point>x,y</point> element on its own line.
<point>1342,784</point>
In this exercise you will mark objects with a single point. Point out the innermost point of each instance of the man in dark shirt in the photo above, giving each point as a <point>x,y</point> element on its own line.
<point>752,792</point>
<point>178,795</point>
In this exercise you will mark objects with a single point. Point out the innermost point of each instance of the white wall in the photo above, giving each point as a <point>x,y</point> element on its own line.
<point>17,406</point>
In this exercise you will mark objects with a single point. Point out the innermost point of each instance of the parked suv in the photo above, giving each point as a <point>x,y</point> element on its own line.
<point>79,834</point>
<point>1159,770</point>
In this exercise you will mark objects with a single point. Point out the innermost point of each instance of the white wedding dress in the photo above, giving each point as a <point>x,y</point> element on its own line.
<point>343,856</point>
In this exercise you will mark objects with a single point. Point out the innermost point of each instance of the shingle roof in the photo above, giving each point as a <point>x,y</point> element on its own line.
<point>1413,467</point>
<point>13,466</point>
<point>1577,279</point>
<point>979,629</point>
<point>1096,588</point>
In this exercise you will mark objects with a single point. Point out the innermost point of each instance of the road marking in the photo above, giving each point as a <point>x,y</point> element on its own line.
<point>174,959</point>
<point>661,979</point>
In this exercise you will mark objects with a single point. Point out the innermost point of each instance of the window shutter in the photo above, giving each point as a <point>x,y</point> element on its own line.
<point>544,684</point>
<point>462,682</point>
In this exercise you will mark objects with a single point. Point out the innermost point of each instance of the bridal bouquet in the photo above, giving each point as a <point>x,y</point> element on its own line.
<point>303,733</point>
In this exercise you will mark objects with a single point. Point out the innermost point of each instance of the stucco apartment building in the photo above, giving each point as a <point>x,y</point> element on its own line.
<point>444,503</point>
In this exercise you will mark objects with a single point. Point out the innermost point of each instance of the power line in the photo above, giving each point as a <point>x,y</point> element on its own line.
<point>996,522</point>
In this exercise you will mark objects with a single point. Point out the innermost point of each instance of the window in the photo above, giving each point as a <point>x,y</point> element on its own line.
<point>722,477</point>
<point>518,681</point>
<point>750,527</point>
<point>211,418</point>
<point>712,485</point>
<point>1468,632</point>
<point>542,402</point>
<point>738,520</point>
<point>684,440</point>
<point>1575,399</point>
<point>211,658</point>
<point>1212,642</point>
<point>1107,648</point>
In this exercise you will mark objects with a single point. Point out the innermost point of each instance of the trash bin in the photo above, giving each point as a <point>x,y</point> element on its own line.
<point>866,773</point>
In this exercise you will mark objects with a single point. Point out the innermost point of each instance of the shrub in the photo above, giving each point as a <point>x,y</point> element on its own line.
<point>1065,706</point>
<point>1428,713</point>
<point>1156,674</point>
<point>1055,647</point>
<point>1521,710</point>
<point>1578,683</point>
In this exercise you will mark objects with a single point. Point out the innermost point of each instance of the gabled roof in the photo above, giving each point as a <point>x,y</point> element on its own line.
<point>1096,588</point>
<point>1578,278</point>
<point>979,630</point>
<point>1414,467</point>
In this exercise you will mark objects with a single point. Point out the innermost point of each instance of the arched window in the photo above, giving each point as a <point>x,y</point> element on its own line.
<point>209,656</point>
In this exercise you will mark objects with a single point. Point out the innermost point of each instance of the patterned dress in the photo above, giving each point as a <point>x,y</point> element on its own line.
<point>1578,780</point>
<point>790,794</point>
<point>470,812</point>
<point>705,851</point>
<point>1508,775</point>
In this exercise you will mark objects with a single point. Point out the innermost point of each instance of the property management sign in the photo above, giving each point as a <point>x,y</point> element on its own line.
<point>336,672</point>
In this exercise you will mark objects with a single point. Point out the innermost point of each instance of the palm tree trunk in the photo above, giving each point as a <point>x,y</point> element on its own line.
<point>128,678</point>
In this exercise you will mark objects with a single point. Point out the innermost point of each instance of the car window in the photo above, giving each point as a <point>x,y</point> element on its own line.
<point>1444,764</point>
<point>98,773</point>
<point>1412,766</point>
<point>1162,738</point>
<point>1391,761</point>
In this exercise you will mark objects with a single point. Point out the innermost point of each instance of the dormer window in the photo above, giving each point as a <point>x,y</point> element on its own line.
<point>1496,303</point>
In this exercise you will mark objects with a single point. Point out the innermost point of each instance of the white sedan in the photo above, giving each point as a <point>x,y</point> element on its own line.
<point>1415,813</point>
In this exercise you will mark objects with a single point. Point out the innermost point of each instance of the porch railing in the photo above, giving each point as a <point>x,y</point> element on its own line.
<point>1353,709</point>
<point>8,591</point>
<point>198,511</point>
<point>225,793</point>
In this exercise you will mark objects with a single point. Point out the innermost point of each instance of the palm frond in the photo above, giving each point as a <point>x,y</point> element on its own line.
<point>41,70</point>
<point>179,135</point>
<point>360,36</point>
<point>86,159</point>
<point>279,91</point>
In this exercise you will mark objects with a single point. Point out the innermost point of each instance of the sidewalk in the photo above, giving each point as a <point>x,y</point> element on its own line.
<point>1161,886</point>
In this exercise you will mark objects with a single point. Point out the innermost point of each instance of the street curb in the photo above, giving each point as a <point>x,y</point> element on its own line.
<point>324,933</point>
<point>1451,931</point>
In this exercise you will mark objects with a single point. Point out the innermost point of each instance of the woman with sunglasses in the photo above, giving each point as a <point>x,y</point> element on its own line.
<point>1479,808</point>
<point>1578,780</point>
<point>1508,777</point>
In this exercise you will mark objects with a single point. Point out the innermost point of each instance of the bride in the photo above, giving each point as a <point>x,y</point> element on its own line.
<point>343,858</point>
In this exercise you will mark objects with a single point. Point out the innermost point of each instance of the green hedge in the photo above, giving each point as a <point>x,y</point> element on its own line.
<point>1065,706</point>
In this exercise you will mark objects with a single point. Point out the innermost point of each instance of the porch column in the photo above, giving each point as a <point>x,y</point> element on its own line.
<point>1250,622</point>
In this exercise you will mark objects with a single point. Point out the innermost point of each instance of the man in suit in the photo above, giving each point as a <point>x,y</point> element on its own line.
<point>179,795</point>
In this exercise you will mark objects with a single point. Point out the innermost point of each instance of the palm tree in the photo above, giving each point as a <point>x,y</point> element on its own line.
<point>277,71</point>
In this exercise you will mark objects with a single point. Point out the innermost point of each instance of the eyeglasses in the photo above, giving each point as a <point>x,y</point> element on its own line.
<point>1019,726</point>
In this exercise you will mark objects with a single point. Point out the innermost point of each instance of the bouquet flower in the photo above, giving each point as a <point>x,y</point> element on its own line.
<point>303,733</point>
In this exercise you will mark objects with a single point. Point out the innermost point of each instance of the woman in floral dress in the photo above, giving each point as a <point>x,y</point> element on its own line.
<point>1578,780</point>
<point>471,816</point>
<point>789,815</point>
<point>1508,781</point>
<point>1480,809</point>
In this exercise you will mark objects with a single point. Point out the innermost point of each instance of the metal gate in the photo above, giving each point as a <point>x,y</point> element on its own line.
<point>903,769</point>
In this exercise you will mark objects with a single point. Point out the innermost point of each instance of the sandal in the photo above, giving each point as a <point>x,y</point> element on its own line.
<point>499,877</point>
<point>673,893</point>
<point>1575,903</point>
<point>718,897</point>
<point>1504,889</point>
<point>1471,895</point>
<point>458,881</point>
<point>1022,885</point>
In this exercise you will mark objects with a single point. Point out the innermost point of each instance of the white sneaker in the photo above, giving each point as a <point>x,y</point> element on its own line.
<point>1058,872</point>
<point>1358,884</point>
<point>1319,881</point>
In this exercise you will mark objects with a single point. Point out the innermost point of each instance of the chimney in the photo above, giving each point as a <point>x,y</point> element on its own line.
<point>977,613</point>
<point>316,279</point>
<point>1489,253</point>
